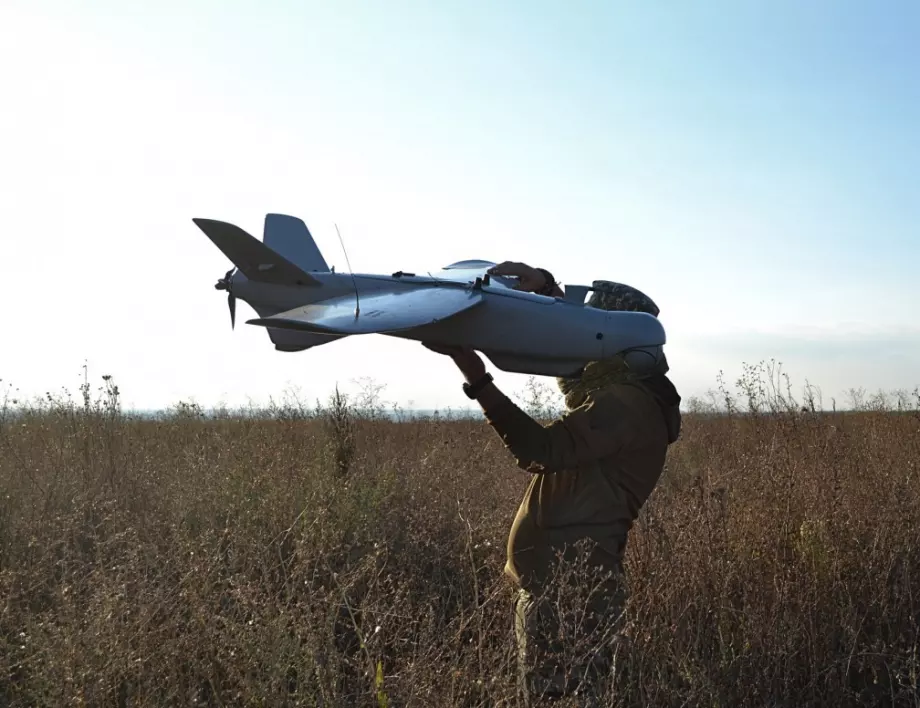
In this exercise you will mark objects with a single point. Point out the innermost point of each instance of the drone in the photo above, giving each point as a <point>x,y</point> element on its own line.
<point>303,304</point>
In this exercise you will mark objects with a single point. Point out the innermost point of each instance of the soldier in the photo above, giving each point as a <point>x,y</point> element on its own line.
<point>591,470</point>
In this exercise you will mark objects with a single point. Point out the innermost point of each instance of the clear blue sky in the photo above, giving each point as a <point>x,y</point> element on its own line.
<point>751,165</point>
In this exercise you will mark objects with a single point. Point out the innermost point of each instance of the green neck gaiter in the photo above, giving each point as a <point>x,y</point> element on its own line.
<point>600,374</point>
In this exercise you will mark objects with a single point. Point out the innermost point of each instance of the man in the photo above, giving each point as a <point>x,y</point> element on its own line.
<point>592,470</point>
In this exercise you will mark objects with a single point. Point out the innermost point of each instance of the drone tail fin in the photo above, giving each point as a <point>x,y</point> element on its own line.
<point>290,237</point>
<point>255,260</point>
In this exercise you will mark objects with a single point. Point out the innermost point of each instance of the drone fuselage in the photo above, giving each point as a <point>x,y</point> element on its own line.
<point>460,305</point>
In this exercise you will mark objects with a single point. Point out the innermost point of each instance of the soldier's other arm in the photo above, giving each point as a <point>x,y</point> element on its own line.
<point>597,429</point>
<point>530,279</point>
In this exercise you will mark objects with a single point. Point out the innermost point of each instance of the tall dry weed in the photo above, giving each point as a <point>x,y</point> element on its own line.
<point>334,557</point>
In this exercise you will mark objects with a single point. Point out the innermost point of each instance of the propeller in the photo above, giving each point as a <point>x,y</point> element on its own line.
<point>225,283</point>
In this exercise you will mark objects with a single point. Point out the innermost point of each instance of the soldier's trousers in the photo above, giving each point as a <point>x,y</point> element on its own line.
<point>566,641</point>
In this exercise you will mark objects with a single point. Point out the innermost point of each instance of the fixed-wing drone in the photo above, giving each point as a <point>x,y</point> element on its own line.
<point>304,304</point>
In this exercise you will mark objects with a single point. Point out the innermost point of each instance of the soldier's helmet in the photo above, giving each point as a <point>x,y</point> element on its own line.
<point>608,295</point>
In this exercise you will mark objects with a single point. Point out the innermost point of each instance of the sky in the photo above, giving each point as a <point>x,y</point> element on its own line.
<point>753,166</point>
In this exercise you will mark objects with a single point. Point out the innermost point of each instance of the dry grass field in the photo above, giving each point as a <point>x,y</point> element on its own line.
<point>336,557</point>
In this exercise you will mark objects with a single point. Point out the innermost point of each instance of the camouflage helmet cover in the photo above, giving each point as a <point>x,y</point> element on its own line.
<point>608,295</point>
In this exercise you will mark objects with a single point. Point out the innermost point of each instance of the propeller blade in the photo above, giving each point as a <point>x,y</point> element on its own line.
<point>226,283</point>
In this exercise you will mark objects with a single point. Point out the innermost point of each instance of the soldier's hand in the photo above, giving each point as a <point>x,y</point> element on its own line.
<point>467,360</point>
<point>529,279</point>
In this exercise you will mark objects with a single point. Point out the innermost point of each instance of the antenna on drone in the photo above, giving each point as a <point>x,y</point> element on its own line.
<point>353,281</point>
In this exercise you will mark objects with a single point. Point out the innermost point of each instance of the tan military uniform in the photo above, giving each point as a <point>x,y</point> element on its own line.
<point>593,469</point>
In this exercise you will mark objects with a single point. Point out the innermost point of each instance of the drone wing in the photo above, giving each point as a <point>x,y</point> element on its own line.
<point>378,313</point>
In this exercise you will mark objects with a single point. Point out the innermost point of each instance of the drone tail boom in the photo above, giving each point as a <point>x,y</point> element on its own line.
<point>382,313</point>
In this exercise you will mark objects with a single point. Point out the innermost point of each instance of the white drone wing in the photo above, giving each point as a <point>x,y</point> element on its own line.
<point>378,313</point>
